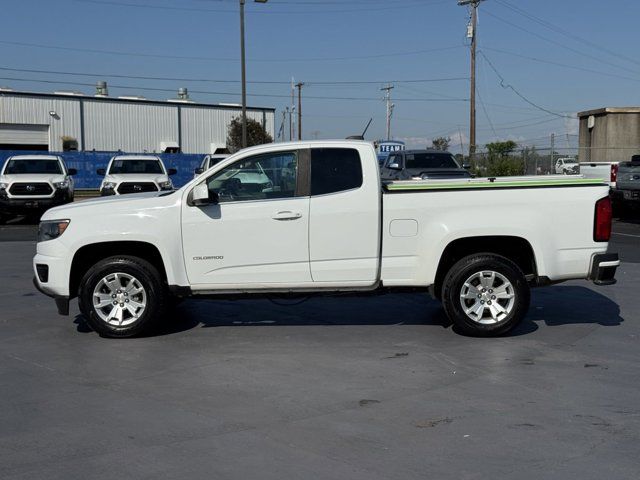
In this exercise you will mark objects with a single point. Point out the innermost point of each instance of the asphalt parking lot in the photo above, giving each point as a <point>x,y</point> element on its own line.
<point>333,388</point>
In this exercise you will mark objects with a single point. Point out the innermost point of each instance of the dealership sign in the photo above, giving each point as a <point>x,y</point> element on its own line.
<point>389,147</point>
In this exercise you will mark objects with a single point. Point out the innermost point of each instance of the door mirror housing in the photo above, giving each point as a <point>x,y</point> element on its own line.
<point>72,171</point>
<point>172,171</point>
<point>198,171</point>
<point>201,196</point>
<point>466,166</point>
<point>101,171</point>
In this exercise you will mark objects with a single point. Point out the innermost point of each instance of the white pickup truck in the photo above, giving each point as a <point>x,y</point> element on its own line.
<point>135,174</point>
<point>32,183</point>
<point>305,218</point>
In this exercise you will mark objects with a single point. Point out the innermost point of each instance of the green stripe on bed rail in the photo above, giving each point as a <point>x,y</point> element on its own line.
<point>497,184</point>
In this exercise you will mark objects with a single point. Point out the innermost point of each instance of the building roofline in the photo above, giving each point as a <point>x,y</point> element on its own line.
<point>601,111</point>
<point>130,100</point>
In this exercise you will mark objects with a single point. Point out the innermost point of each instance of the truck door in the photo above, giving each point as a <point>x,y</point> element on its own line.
<point>258,233</point>
<point>344,228</point>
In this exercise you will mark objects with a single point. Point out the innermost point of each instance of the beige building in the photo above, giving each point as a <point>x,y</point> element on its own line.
<point>609,134</point>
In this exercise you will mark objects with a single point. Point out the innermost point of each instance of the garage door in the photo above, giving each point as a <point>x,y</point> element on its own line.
<point>12,134</point>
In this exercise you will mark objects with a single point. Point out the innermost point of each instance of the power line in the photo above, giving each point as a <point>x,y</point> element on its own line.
<point>505,85</point>
<point>269,12</point>
<point>210,80</point>
<point>225,59</point>
<point>564,65</point>
<point>587,55</point>
<point>564,32</point>
<point>206,92</point>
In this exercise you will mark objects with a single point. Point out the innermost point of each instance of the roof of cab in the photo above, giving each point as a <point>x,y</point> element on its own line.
<point>34,157</point>
<point>136,157</point>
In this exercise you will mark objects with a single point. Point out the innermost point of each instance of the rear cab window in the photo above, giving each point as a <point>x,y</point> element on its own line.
<point>335,170</point>
<point>430,160</point>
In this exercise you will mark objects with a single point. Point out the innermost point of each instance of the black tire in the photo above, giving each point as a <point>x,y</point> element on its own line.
<point>454,286</point>
<point>146,275</point>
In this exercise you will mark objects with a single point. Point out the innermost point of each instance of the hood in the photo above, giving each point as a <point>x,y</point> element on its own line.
<point>86,207</point>
<point>32,178</point>
<point>136,177</point>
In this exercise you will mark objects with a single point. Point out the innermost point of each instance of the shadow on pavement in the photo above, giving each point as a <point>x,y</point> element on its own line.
<point>555,306</point>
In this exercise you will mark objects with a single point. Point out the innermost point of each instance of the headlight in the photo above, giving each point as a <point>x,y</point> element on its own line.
<point>168,185</point>
<point>3,185</point>
<point>51,229</point>
<point>109,185</point>
<point>63,184</point>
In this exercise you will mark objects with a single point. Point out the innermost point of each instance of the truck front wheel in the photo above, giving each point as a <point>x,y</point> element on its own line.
<point>122,296</point>
<point>485,295</point>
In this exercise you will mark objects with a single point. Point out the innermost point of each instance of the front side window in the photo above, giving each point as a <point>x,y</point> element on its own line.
<point>262,177</point>
<point>33,166</point>
<point>335,170</point>
<point>135,166</point>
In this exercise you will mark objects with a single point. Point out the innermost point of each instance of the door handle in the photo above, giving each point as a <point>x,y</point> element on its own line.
<point>287,215</point>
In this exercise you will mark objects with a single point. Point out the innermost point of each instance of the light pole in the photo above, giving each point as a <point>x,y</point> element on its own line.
<point>244,73</point>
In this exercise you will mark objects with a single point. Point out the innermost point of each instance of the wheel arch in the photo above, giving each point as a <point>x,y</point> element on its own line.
<point>88,255</point>
<point>516,249</point>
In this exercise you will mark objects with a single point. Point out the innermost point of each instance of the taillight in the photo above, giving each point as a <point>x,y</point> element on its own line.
<point>602,221</point>
<point>614,173</point>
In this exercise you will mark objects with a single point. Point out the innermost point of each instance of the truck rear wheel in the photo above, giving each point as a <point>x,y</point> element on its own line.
<point>485,295</point>
<point>122,296</point>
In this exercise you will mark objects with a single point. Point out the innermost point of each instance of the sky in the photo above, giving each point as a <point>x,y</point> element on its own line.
<point>539,62</point>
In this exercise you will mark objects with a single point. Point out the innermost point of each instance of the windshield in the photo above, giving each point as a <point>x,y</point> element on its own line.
<point>33,166</point>
<point>430,160</point>
<point>135,166</point>
<point>569,161</point>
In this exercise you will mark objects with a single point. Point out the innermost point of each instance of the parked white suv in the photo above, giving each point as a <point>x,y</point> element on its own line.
<point>567,166</point>
<point>135,174</point>
<point>207,162</point>
<point>33,183</point>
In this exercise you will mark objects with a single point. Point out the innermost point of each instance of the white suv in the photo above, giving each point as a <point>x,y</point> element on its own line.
<point>135,174</point>
<point>33,183</point>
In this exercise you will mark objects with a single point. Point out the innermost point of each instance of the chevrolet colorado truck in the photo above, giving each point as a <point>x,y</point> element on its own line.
<point>314,218</point>
<point>135,174</point>
<point>628,184</point>
<point>33,183</point>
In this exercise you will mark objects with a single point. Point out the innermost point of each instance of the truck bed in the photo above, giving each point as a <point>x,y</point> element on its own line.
<point>489,183</point>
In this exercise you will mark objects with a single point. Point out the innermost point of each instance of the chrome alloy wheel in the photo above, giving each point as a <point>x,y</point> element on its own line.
<point>119,299</point>
<point>487,297</point>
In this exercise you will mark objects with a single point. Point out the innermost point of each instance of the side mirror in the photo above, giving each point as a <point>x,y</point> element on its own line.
<point>101,171</point>
<point>172,171</point>
<point>201,196</point>
<point>72,171</point>
<point>199,171</point>
<point>466,166</point>
<point>394,166</point>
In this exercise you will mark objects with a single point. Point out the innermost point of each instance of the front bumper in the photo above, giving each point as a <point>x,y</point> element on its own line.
<point>603,268</point>
<point>29,204</point>
<point>62,302</point>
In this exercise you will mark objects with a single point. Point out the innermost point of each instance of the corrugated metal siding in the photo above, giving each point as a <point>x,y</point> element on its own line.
<point>35,111</point>
<point>11,133</point>
<point>126,125</point>
<point>203,126</point>
<point>133,127</point>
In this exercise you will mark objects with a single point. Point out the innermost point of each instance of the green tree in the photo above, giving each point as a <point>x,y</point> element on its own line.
<point>441,143</point>
<point>500,162</point>
<point>256,134</point>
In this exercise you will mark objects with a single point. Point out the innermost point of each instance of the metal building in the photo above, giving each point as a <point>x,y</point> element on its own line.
<point>609,134</point>
<point>63,120</point>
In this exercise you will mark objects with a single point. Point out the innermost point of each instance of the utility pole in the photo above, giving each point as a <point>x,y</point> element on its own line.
<point>471,33</point>
<point>553,145</point>
<point>299,85</point>
<point>387,97</point>
<point>244,73</point>
<point>292,110</point>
